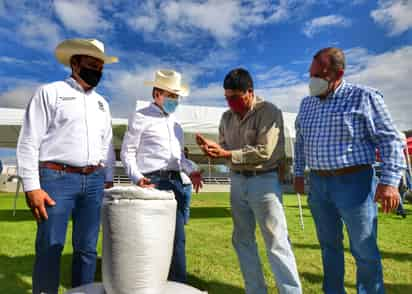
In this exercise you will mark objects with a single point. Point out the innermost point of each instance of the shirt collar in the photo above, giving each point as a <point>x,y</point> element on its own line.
<point>337,91</point>
<point>75,85</point>
<point>256,104</point>
<point>157,109</point>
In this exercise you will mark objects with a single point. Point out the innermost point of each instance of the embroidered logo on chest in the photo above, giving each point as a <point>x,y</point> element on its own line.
<point>101,106</point>
<point>67,98</point>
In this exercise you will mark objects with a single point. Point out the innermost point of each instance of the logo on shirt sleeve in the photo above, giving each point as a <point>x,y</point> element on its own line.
<point>101,106</point>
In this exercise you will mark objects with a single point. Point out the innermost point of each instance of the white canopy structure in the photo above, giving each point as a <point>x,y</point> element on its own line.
<point>10,122</point>
<point>194,119</point>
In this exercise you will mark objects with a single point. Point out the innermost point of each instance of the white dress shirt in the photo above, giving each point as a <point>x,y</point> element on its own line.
<point>67,125</point>
<point>153,141</point>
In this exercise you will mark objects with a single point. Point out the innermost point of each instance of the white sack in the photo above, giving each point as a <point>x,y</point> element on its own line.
<point>170,288</point>
<point>179,288</point>
<point>138,235</point>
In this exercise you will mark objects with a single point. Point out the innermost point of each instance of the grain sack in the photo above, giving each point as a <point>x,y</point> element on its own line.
<point>138,234</point>
<point>169,288</point>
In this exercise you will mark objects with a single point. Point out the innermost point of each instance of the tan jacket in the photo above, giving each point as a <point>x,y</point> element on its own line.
<point>257,141</point>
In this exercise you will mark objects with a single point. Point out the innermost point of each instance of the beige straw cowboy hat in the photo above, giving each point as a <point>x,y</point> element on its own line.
<point>90,47</point>
<point>170,81</point>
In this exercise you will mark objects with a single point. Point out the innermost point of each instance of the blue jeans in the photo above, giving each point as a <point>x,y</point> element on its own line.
<point>347,199</point>
<point>177,270</point>
<point>79,196</point>
<point>187,189</point>
<point>259,198</point>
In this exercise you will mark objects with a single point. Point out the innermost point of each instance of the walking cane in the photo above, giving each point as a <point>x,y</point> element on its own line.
<point>300,212</point>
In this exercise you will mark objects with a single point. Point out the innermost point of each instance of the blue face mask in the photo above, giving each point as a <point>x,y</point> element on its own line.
<point>170,105</point>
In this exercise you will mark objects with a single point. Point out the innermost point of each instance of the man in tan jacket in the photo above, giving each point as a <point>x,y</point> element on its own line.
<point>251,138</point>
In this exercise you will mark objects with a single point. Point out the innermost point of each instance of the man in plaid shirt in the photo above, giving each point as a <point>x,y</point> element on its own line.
<point>338,128</point>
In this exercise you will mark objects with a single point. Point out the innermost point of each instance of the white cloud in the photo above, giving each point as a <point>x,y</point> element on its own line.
<point>395,15</point>
<point>210,95</point>
<point>2,8</point>
<point>19,95</point>
<point>38,32</point>
<point>389,72</point>
<point>8,59</point>
<point>277,76</point>
<point>81,16</point>
<point>315,25</point>
<point>286,98</point>
<point>18,61</point>
<point>177,20</point>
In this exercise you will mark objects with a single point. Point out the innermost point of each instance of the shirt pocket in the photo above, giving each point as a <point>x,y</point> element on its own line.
<point>68,110</point>
<point>47,174</point>
<point>347,126</point>
<point>250,137</point>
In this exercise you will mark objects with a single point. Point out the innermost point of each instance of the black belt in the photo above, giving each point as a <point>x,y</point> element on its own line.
<point>342,171</point>
<point>167,174</point>
<point>253,173</point>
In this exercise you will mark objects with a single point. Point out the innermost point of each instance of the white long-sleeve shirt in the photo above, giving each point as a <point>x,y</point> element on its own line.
<point>67,125</point>
<point>153,141</point>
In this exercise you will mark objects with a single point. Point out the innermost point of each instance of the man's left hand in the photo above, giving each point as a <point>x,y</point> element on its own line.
<point>196,178</point>
<point>108,185</point>
<point>388,197</point>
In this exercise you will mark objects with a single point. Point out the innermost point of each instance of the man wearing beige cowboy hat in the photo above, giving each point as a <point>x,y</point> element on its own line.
<point>64,158</point>
<point>152,154</point>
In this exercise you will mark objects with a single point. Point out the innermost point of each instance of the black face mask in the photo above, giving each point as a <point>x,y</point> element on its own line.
<point>90,76</point>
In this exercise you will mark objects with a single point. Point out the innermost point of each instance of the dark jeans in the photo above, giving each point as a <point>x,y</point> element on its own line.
<point>79,196</point>
<point>178,267</point>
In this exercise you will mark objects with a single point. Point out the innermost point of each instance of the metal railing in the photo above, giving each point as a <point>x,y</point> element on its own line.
<point>123,179</point>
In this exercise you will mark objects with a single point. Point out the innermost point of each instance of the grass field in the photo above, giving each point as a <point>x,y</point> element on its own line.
<point>212,263</point>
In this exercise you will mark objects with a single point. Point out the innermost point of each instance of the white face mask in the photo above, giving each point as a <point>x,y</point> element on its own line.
<point>318,86</point>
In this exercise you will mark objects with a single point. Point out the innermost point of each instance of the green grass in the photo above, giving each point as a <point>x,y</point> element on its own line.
<point>212,263</point>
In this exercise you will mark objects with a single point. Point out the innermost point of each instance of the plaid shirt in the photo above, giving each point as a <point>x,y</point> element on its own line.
<point>344,130</point>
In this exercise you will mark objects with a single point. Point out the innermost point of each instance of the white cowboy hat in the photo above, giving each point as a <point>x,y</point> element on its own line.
<point>170,81</point>
<point>90,47</point>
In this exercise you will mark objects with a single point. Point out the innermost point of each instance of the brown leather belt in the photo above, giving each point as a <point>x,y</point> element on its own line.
<point>253,173</point>
<point>84,170</point>
<point>342,171</point>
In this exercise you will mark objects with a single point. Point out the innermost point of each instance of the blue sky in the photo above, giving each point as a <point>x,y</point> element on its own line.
<point>274,40</point>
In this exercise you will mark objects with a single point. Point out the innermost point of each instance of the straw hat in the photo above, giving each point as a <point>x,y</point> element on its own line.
<point>90,47</point>
<point>170,81</point>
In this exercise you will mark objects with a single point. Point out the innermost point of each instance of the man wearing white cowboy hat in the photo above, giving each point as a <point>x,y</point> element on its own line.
<point>152,154</point>
<point>65,157</point>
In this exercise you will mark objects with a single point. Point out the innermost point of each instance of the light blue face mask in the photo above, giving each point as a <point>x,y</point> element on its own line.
<point>170,105</point>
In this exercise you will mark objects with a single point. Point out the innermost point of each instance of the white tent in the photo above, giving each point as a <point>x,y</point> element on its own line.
<point>10,122</point>
<point>194,119</point>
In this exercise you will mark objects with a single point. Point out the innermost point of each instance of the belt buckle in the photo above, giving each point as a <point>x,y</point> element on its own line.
<point>249,173</point>
<point>86,170</point>
<point>333,173</point>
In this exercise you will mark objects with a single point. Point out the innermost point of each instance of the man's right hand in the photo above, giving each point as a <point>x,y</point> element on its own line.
<point>145,183</point>
<point>299,185</point>
<point>37,201</point>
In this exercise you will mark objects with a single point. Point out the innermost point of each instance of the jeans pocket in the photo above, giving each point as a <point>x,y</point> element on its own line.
<point>47,174</point>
